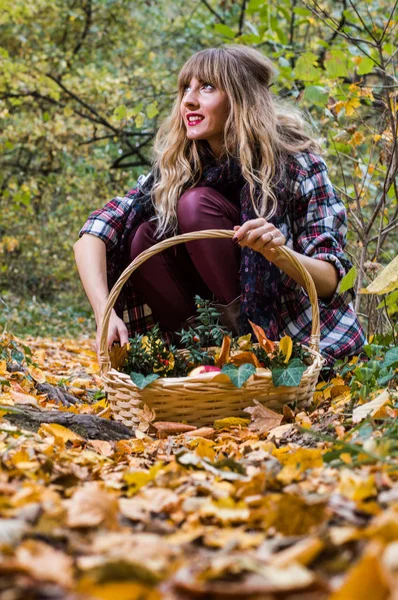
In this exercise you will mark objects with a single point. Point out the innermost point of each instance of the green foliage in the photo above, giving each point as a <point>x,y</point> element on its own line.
<point>205,332</point>
<point>367,376</point>
<point>290,375</point>
<point>84,86</point>
<point>141,381</point>
<point>67,318</point>
<point>348,281</point>
<point>12,350</point>
<point>149,354</point>
<point>238,375</point>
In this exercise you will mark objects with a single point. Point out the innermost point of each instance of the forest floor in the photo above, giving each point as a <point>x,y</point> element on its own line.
<point>296,506</point>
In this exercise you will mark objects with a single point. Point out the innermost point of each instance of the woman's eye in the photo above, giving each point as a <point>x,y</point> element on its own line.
<point>204,85</point>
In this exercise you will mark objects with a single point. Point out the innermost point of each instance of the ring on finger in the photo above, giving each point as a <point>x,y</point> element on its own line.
<point>272,235</point>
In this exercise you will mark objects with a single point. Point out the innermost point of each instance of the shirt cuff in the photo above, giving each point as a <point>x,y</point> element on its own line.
<point>342,265</point>
<point>100,230</point>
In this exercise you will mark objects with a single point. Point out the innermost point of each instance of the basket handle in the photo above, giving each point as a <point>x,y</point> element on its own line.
<point>188,237</point>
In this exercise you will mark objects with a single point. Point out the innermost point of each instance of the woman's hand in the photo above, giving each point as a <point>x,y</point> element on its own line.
<point>117,332</point>
<point>261,236</point>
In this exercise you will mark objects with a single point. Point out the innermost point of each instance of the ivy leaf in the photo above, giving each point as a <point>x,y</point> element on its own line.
<point>391,357</point>
<point>348,281</point>
<point>141,381</point>
<point>238,375</point>
<point>289,376</point>
<point>385,376</point>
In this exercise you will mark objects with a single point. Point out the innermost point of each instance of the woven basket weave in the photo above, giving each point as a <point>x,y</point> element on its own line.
<point>202,399</point>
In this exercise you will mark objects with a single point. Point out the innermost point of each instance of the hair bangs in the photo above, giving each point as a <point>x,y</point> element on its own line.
<point>205,66</point>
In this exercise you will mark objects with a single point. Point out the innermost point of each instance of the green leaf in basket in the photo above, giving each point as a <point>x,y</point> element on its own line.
<point>141,381</point>
<point>238,375</point>
<point>291,375</point>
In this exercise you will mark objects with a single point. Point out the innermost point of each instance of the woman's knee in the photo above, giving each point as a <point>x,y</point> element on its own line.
<point>191,207</point>
<point>143,238</point>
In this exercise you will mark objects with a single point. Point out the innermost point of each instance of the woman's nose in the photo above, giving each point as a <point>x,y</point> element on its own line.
<point>190,99</point>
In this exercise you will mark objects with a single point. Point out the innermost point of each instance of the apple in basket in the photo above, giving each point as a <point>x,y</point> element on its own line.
<point>203,369</point>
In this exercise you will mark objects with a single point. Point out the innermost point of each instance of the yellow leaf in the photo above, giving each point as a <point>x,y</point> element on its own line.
<point>338,106</point>
<point>357,139</point>
<point>365,579</point>
<point>286,347</point>
<point>138,479</point>
<point>245,342</point>
<point>59,431</point>
<point>37,374</point>
<point>296,462</point>
<point>122,590</point>
<point>355,487</point>
<point>203,448</point>
<point>386,281</point>
<point>230,422</point>
<point>351,105</point>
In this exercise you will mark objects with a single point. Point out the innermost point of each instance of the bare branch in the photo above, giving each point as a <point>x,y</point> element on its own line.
<point>242,17</point>
<point>362,21</point>
<point>87,9</point>
<point>213,12</point>
<point>383,35</point>
<point>112,135</point>
<point>327,20</point>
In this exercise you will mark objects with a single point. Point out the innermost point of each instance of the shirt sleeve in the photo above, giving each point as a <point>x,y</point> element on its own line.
<point>108,223</point>
<point>321,226</point>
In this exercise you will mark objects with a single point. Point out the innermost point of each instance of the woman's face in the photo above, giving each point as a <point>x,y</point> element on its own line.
<point>211,107</point>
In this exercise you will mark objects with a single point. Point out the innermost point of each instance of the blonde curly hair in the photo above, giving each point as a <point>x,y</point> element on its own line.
<point>260,132</point>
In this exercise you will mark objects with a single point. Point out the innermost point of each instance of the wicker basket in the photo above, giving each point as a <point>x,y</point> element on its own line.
<point>202,399</point>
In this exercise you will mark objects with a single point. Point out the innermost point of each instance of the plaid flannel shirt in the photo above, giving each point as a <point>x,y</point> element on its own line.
<point>316,225</point>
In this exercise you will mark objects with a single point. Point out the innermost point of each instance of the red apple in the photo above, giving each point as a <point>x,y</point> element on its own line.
<point>203,369</point>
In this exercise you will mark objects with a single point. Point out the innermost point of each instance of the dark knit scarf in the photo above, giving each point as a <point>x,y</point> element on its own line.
<point>260,279</point>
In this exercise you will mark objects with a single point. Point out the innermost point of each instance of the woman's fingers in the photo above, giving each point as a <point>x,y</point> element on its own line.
<point>244,229</point>
<point>123,333</point>
<point>117,332</point>
<point>261,236</point>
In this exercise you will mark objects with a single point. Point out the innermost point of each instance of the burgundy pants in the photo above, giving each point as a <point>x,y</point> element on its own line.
<point>168,281</point>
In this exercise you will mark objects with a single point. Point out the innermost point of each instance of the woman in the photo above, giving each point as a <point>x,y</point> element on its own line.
<point>229,156</point>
